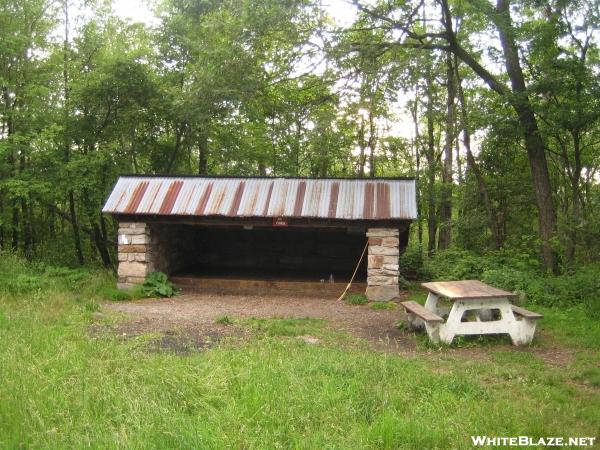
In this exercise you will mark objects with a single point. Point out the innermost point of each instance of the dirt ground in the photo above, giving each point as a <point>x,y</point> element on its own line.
<point>199,312</point>
<point>188,321</point>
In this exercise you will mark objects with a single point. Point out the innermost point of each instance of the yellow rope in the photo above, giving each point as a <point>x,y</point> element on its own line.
<point>355,270</point>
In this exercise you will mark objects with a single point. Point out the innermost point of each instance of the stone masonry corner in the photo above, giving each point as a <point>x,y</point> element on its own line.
<point>382,268</point>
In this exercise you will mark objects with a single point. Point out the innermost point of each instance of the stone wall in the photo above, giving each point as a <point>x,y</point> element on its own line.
<point>135,253</point>
<point>382,269</point>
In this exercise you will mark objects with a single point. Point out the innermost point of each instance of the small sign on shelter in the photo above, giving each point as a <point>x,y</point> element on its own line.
<point>280,222</point>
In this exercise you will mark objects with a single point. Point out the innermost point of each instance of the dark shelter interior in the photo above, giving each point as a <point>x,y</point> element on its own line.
<point>282,253</point>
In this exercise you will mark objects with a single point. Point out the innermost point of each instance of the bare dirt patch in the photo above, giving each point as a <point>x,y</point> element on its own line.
<point>196,315</point>
<point>180,337</point>
<point>189,321</point>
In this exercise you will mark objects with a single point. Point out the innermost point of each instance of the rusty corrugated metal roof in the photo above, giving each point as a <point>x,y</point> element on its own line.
<point>348,199</point>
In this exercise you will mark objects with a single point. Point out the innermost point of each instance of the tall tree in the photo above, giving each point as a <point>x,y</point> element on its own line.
<point>447,172</point>
<point>404,22</point>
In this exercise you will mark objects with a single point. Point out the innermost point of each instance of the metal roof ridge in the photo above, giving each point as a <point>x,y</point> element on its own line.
<point>261,177</point>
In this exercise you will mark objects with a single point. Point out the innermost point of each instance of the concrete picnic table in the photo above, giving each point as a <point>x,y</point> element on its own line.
<point>490,307</point>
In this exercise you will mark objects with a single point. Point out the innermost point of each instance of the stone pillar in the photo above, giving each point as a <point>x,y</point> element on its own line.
<point>382,270</point>
<point>134,253</point>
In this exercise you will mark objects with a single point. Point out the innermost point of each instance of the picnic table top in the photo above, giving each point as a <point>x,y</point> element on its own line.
<point>466,290</point>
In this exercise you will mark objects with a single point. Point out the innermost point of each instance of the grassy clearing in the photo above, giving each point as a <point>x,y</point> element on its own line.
<point>572,326</point>
<point>64,388</point>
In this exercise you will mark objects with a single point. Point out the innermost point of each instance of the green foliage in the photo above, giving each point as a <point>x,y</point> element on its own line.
<point>412,263</point>
<point>581,287</point>
<point>18,276</point>
<point>119,295</point>
<point>403,283</point>
<point>157,284</point>
<point>378,306</point>
<point>457,264</point>
<point>519,272</point>
<point>352,298</point>
<point>224,320</point>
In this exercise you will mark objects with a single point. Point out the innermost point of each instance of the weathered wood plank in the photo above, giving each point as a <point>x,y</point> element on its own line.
<point>420,311</point>
<point>525,313</point>
<point>466,290</point>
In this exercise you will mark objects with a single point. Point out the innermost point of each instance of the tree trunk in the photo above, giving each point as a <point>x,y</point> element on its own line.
<point>362,144</point>
<point>67,139</point>
<point>26,225</point>
<point>297,147</point>
<point>576,205</point>
<point>459,168</point>
<point>575,173</point>
<point>75,225</point>
<point>536,148</point>
<point>97,238</point>
<point>26,228</point>
<point>445,237</point>
<point>12,165</point>
<point>100,244</point>
<point>15,227</point>
<point>472,165</point>
<point>416,143</point>
<point>203,153</point>
<point>262,170</point>
<point>179,130</point>
<point>431,163</point>
<point>371,144</point>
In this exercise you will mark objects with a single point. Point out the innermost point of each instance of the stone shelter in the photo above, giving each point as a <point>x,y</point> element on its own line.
<point>305,229</point>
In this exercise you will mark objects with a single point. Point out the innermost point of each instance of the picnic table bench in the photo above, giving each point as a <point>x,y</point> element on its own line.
<point>489,308</point>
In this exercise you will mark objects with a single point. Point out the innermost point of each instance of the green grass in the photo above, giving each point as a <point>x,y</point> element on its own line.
<point>224,320</point>
<point>355,299</point>
<point>111,292</point>
<point>571,326</point>
<point>64,387</point>
<point>378,306</point>
<point>285,327</point>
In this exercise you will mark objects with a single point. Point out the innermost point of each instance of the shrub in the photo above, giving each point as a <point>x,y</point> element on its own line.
<point>462,265</point>
<point>411,262</point>
<point>403,283</point>
<point>158,285</point>
<point>520,272</point>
